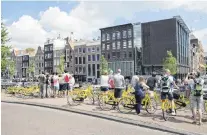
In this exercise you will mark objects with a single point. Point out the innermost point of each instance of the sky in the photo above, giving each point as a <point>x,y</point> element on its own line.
<point>31,23</point>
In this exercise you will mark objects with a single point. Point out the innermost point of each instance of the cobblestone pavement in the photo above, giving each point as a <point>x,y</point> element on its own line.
<point>182,121</point>
<point>27,120</point>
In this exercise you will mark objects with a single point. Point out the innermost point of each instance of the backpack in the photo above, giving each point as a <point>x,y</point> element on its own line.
<point>165,84</point>
<point>198,91</point>
<point>66,78</point>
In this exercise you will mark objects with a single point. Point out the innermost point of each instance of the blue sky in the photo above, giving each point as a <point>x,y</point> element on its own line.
<point>30,23</point>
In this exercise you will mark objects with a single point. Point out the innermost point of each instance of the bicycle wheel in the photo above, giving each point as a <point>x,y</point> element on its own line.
<point>166,111</point>
<point>151,106</point>
<point>104,102</point>
<point>126,105</point>
<point>72,99</point>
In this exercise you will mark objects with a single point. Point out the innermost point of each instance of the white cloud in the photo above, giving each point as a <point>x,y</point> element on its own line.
<point>202,35</point>
<point>26,32</point>
<point>85,19</point>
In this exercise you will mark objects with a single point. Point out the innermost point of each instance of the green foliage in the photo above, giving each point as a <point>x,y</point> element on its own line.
<point>103,65</point>
<point>12,67</point>
<point>30,50</point>
<point>170,63</point>
<point>31,68</point>
<point>61,65</point>
<point>5,50</point>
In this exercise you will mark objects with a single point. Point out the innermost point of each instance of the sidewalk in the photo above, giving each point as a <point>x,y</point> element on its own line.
<point>181,122</point>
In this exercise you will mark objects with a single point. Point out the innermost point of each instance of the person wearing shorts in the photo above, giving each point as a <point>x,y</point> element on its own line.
<point>169,93</point>
<point>119,84</point>
<point>197,101</point>
<point>104,82</point>
<point>56,84</point>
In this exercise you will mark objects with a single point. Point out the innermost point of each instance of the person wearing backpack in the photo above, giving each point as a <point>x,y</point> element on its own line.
<point>139,88</point>
<point>66,86</point>
<point>167,83</point>
<point>197,98</point>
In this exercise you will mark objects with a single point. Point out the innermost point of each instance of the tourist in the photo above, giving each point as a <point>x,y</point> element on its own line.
<point>134,80</point>
<point>71,83</point>
<point>48,84</point>
<point>119,84</point>
<point>66,79</point>
<point>61,83</point>
<point>56,84</point>
<point>152,83</point>
<point>140,87</point>
<point>104,82</point>
<point>167,83</point>
<point>42,80</point>
<point>197,98</point>
<point>111,80</point>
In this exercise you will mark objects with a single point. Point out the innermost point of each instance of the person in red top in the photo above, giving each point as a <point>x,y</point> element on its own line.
<point>111,80</point>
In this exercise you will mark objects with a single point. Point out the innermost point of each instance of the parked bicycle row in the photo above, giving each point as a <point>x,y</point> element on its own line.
<point>141,94</point>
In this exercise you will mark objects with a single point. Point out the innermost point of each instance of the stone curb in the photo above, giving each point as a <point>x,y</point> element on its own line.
<point>108,117</point>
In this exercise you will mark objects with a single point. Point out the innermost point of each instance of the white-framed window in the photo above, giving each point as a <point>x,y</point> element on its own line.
<point>124,33</point>
<point>58,62</point>
<point>114,36</point>
<point>93,49</point>
<point>129,33</point>
<point>113,46</point>
<point>107,36</point>
<point>118,45</point>
<point>55,62</point>
<point>118,34</point>
<point>103,37</point>
<point>124,44</point>
<point>103,46</point>
<point>107,47</point>
<point>129,44</point>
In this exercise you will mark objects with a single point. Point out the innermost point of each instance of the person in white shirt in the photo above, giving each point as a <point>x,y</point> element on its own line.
<point>104,82</point>
<point>167,83</point>
<point>134,80</point>
<point>56,84</point>
<point>72,82</point>
<point>119,83</point>
<point>197,98</point>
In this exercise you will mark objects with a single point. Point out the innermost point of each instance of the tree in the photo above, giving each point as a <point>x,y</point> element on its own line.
<point>31,68</point>
<point>29,50</point>
<point>170,63</point>
<point>5,50</point>
<point>104,65</point>
<point>12,67</point>
<point>61,65</point>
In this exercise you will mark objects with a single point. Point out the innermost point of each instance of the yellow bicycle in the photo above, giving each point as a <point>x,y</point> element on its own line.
<point>78,96</point>
<point>127,104</point>
<point>167,109</point>
<point>107,101</point>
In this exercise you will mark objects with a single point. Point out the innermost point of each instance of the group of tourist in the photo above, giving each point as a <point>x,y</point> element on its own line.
<point>53,85</point>
<point>192,84</point>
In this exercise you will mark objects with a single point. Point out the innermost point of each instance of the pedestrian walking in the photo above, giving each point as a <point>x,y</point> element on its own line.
<point>42,80</point>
